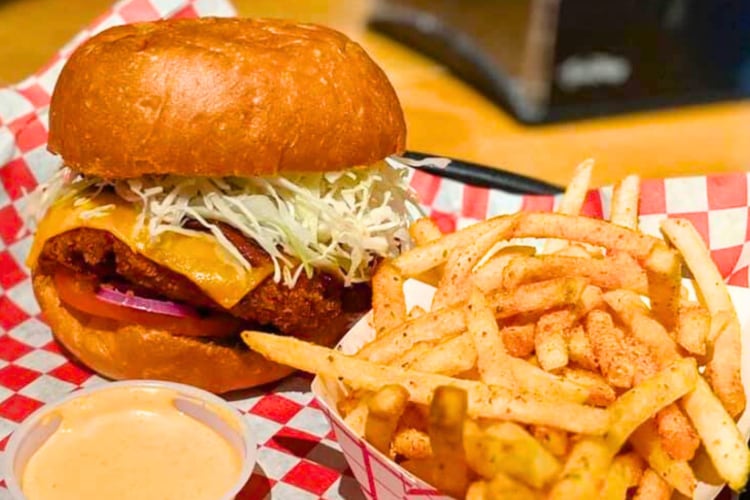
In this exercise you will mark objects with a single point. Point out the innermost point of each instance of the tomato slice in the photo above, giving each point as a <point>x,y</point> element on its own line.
<point>80,293</point>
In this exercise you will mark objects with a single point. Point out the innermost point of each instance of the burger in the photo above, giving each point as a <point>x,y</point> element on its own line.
<point>215,175</point>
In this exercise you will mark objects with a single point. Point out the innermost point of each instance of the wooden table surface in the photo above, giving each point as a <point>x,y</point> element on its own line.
<point>444,115</point>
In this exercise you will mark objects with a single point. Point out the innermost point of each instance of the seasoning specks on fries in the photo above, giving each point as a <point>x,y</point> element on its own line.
<point>546,374</point>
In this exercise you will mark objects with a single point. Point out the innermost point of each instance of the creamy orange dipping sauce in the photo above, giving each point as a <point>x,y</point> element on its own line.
<point>130,443</point>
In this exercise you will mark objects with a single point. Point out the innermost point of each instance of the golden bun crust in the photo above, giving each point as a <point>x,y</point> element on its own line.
<point>121,351</point>
<point>220,97</point>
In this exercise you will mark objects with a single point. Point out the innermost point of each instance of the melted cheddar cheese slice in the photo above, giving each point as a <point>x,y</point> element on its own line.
<point>200,258</point>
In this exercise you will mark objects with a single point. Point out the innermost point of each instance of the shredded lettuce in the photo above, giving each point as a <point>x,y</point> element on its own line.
<point>342,222</point>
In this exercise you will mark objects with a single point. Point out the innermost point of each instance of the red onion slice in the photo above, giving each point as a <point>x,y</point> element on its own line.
<point>111,295</point>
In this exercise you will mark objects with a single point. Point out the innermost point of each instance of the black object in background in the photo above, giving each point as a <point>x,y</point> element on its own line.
<point>555,60</point>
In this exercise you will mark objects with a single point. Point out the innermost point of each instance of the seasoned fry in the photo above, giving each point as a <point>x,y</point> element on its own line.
<point>488,276</point>
<point>435,253</point>
<point>550,339</point>
<point>608,343</point>
<point>625,202</point>
<point>591,298</point>
<point>492,358</point>
<point>610,272</point>
<point>586,230</point>
<point>537,297</point>
<point>721,437</point>
<point>693,327</point>
<point>554,440</point>
<point>385,407</point>
<point>545,386</point>
<point>580,350</point>
<point>450,321</point>
<point>458,354</point>
<point>414,354</point>
<point>584,472</point>
<point>451,357</point>
<point>683,235</point>
<point>433,327</point>
<point>484,401</point>
<point>455,284</point>
<point>530,225</point>
<point>634,407</point>
<point>664,273</point>
<point>652,487</point>
<point>600,392</point>
<point>625,472</point>
<point>677,473</point>
<point>519,339</point>
<point>388,303</point>
<point>678,437</point>
<point>411,443</point>
<point>635,314</point>
<point>572,200</point>
<point>445,428</point>
<point>577,189</point>
<point>723,367</point>
<point>424,231</point>
<point>506,447</point>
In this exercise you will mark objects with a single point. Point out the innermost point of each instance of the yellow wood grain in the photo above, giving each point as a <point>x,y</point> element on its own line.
<point>444,115</point>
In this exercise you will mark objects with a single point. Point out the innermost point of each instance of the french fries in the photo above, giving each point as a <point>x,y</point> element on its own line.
<point>585,470</point>
<point>638,404</point>
<point>677,473</point>
<point>625,202</point>
<point>693,328</point>
<point>492,358</point>
<point>550,344</point>
<point>723,367</point>
<point>573,199</point>
<point>611,272</point>
<point>508,448</point>
<point>385,407</point>
<point>608,343</point>
<point>445,428</point>
<point>583,371</point>
<point>450,321</point>
<point>388,301</point>
<point>624,473</point>
<point>485,401</point>
<point>652,487</point>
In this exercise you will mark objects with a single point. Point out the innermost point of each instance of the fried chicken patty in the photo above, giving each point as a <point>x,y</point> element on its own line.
<point>300,311</point>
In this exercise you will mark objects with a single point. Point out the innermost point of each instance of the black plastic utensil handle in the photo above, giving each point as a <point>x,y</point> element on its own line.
<point>482,176</point>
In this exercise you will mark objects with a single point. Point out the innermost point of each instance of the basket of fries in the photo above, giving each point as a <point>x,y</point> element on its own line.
<point>542,355</point>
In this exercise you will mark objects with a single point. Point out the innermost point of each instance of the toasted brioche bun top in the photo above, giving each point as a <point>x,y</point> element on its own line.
<point>220,97</point>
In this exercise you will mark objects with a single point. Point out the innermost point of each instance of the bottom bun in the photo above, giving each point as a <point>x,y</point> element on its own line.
<point>126,351</point>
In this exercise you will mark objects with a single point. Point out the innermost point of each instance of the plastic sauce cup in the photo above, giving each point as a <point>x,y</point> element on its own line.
<point>204,407</point>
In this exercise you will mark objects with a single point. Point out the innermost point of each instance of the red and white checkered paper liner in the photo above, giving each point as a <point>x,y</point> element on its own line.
<point>299,456</point>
